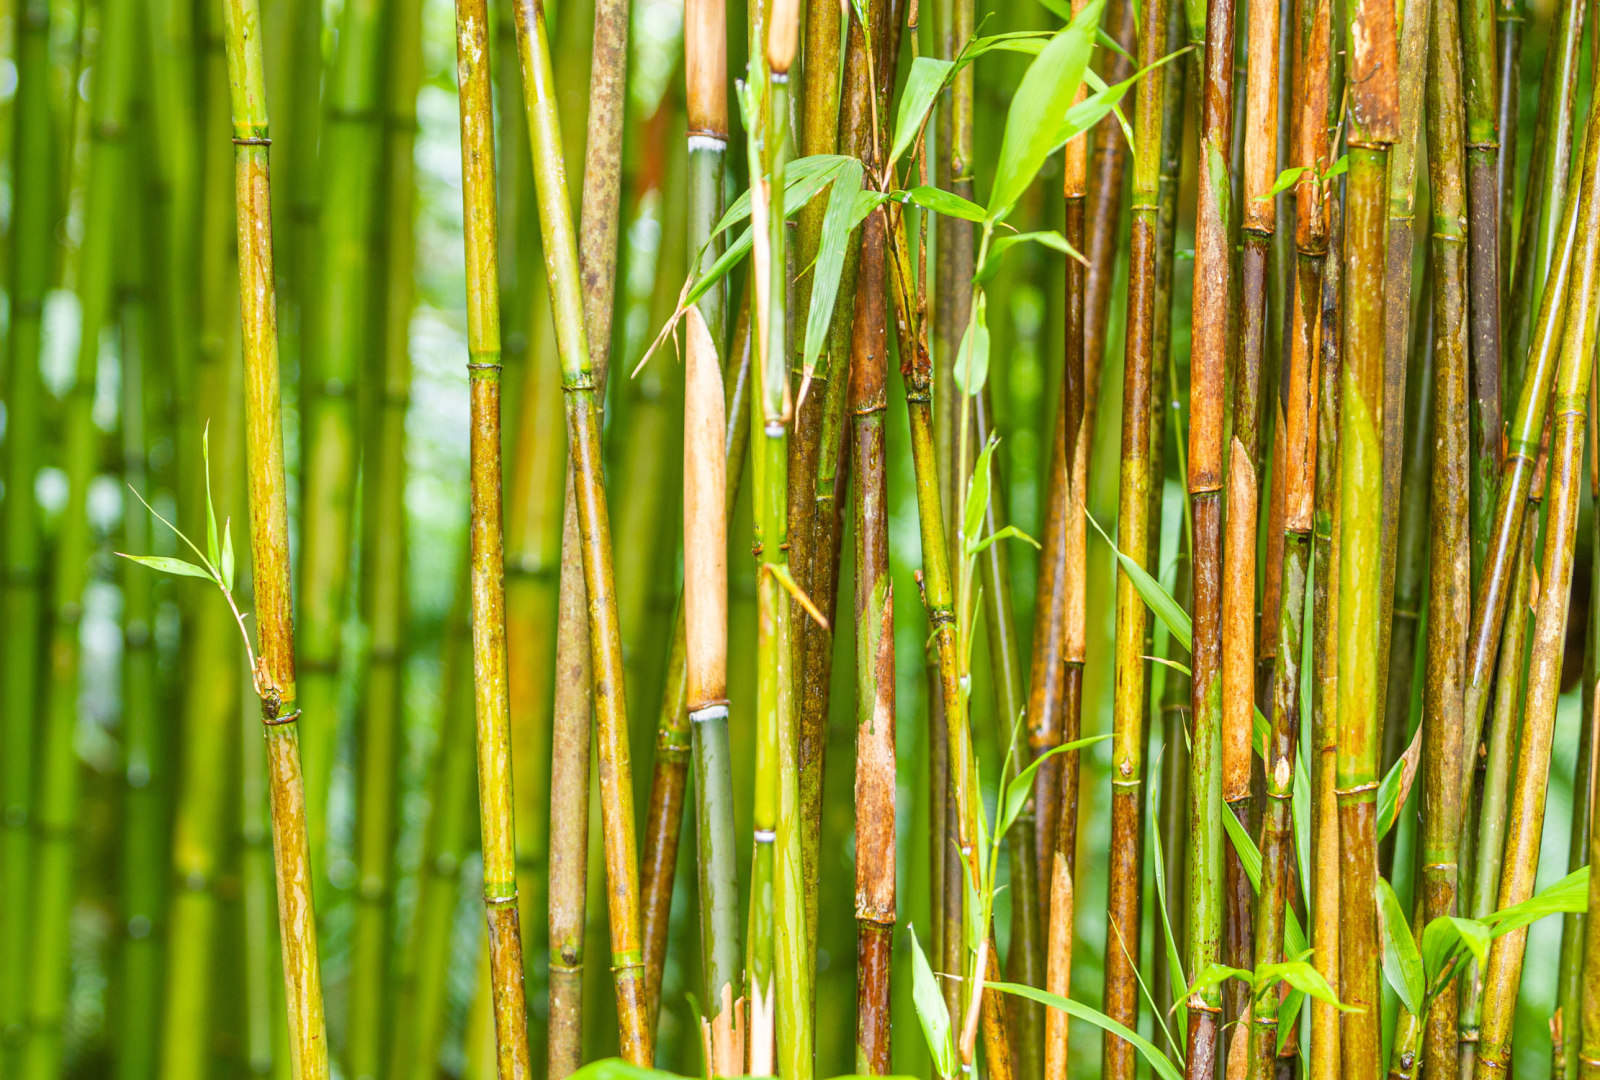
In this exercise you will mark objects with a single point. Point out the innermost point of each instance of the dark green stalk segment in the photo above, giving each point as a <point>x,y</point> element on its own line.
<point>1449,591</point>
<point>1542,210</point>
<point>269,543</point>
<point>339,335</point>
<point>583,422</point>
<point>30,254</point>
<point>1479,60</point>
<point>1213,291</point>
<point>56,808</point>
<point>1569,400</point>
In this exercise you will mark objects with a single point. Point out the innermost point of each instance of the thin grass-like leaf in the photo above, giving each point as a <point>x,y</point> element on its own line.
<point>1159,1062</point>
<point>837,229</point>
<point>1402,963</point>
<point>169,565</point>
<point>928,999</point>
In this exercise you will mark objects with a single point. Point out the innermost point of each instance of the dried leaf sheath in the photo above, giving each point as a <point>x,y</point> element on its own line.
<point>269,541</point>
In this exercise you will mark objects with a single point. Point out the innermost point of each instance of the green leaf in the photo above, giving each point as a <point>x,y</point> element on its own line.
<point>1569,895</point>
<point>1036,123</point>
<point>170,566</point>
<point>803,179</point>
<point>1302,977</point>
<point>1048,237</point>
<point>1016,796</point>
<point>617,1069</point>
<point>1031,42</point>
<point>227,555</point>
<point>211,512</point>
<point>978,491</point>
<point>1396,785</point>
<point>1215,975</point>
<point>931,1011</point>
<point>1287,179</point>
<point>1402,964</point>
<point>1288,1017</point>
<point>1157,599</point>
<point>972,362</point>
<point>832,247</point>
<point>1338,168</point>
<point>923,83</point>
<point>1446,938</point>
<point>943,202</point>
<point>1010,532</point>
<point>1163,1066</point>
<point>1249,854</point>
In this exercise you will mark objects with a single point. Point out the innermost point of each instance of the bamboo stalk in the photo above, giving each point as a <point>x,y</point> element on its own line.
<point>1481,100</point>
<point>579,380</point>
<point>1589,1038</point>
<point>1139,538</point>
<point>269,544</point>
<point>1502,973</point>
<point>30,244</point>
<point>57,796</point>
<point>339,335</point>
<point>384,563</point>
<point>1213,291</point>
<point>1326,1058</point>
<point>1509,17</point>
<point>874,612</point>
<point>1450,585</point>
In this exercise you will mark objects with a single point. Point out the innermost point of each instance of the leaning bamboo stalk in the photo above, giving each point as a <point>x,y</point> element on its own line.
<point>491,704</point>
<point>1374,127</point>
<point>1481,101</point>
<point>269,543</point>
<point>1449,563</point>
<point>588,493</point>
<point>1213,291</point>
<point>874,611</point>
<point>1244,475</point>
<point>706,506</point>
<point>29,278</point>
<point>1502,973</point>
<point>1137,512</point>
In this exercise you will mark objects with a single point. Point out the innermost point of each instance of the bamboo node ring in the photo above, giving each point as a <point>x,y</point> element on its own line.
<point>251,140</point>
<point>277,721</point>
<point>714,711</point>
<point>766,836</point>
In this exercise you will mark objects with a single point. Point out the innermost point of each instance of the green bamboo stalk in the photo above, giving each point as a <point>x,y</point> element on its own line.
<point>420,1008</point>
<point>56,809</point>
<point>580,377</point>
<point>338,337</point>
<point>1414,27</point>
<point>1483,142</point>
<point>384,560</point>
<point>31,242</point>
<point>488,590</point>
<point>1325,1058</point>
<point>1588,1038</point>
<point>269,542</point>
<point>713,460</point>
<point>1449,565</point>
<point>1509,17</point>
<point>210,704</point>
<point>145,772</point>
<point>1213,291</point>
<point>1538,242</point>
<point>1374,127</point>
<point>1502,973</point>
<point>874,615</point>
<point>1139,539</point>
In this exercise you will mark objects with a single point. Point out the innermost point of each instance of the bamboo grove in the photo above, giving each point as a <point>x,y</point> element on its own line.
<point>803,538</point>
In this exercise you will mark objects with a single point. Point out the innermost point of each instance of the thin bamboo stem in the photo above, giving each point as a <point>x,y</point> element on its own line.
<point>269,543</point>
<point>1569,401</point>
<point>1481,101</point>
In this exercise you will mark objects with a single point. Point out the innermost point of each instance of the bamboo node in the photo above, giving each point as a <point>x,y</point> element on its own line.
<point>716,710</point>
<point>766,836</point>
<point>252,140</point>
<point>276,721</point>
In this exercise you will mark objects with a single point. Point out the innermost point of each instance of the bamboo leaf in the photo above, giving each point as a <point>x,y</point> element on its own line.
<point>1287,179</point>
<point>943,202</point>
<point>227,555</point>
<point>1010,532</point>
<point>1402,964</point>
<point>1216,974</point>
<point>1302,977</point>
<point>803,179</point>
<point>1570,894</point>
<point>1396,785</point>
<point>1031,42</point>
<point>1036,123</point>
<point>1249,854</point>
<point>1048,237</point>
<point>972,362</point>
<point>1446,938</point>
<point>1016,796</point>
<point>1148,1050</point>
<point>1156,598</point>
<point>1338,168</point>
<point>167,565</point>
<point>978,492</point>
<point>1288,1017</point>
<point>211,511</point>
<point>834,244</point>
<point>931,1011</point>
<point>923,83</point>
